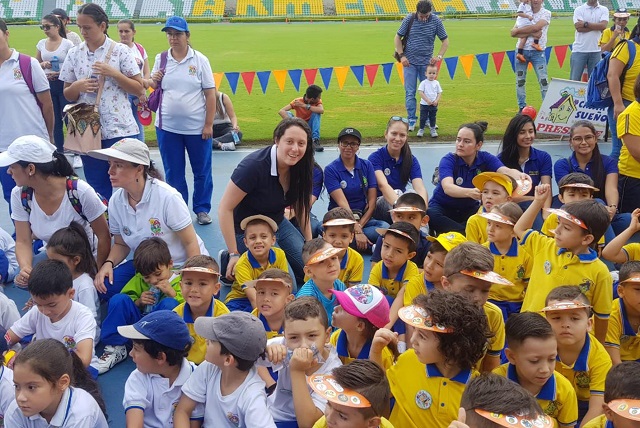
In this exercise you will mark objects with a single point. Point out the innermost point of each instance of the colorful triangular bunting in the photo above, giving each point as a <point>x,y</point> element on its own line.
<point>295,76</point>
<point>547,53</point>
<point>483,60</point>
<point>217,78</point>
<point>498,58</point>
<point>263,78</point>
<point>232,78</point>
<point>386,70</point>
<point>467,64</point>
<point>358,71</point>
<point>280,76</point>
<point>452,63</point>
<point>247,78</point>
<point>310,75</point>
<point>400,70</point>
<point>512,59</point>
<point>326,73</point>
<point>561,54</point>
<point>341,75</point>
<point>371,71</point>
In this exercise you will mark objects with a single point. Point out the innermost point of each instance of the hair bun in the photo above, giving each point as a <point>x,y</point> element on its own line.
<point>482,124</point>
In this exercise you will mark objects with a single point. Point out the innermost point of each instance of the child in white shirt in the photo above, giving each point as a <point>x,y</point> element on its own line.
<point>430,93</point>
<point>8,262</point>
<point>524,19</point>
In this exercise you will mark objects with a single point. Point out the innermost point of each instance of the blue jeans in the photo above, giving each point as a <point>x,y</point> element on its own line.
<point>7,185</point>
<point>539,62</point>
<point>428,116</point>
<point>121,275</point>
<point>96,171</point>
<point>412,76</point>
<point>59,101</point>
<point>448,219</point>
<point>580,60</point>
<point>616,144</point>
<point>134,109</point>
<point>314,124</point>
<point>172,150</point>
<point>369,229</point>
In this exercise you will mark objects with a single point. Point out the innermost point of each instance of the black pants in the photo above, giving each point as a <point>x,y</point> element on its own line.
<point>428,112</point>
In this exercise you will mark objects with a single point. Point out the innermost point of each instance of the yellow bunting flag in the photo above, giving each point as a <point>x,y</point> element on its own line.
<point>400,69</point>
<point>217,77</point>
<point>467,63</point>
<point>280,76</point>
<point>341,75</point>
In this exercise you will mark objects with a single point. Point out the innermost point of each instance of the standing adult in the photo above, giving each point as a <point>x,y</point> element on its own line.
<point>266,182</point>
<point>541,20</point>
<point>52,52</point>
<point>100,60</point>
<point>619,31</point>
<point>66,21</point>
<point>629,163</point>
<point>419,30</point>
<point>184,122</point>
<point>589,20</point>
<point>622,89</point>
<point>19,111</point>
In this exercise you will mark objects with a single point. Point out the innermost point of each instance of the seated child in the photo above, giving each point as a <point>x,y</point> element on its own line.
<point>303,351</point>
<point>310,109</point>
<point>618,251</point>
<point>495,189</point>
<point>622,398</point>
<point>153,287</point>
<point>161,342</point>
<point>368,396</point>
<point>623,340</point>
<point>361,311</point>
<point>568,257</point>
<point>259,238</point>
<point>468,271</point>
<point>411,208</point>
<point>227,383</point>
<point>8,312</point>
<point>56,315</point>
<point>338,226</point>
<point>323,267</point>
<point>8,262</point>
<point>449,337</point>
<point>532,352</point>
<point>510,261</point>
<point>199,283</point>
<point>581,359</point>
<point>491,400</point>
<point>7,390</point>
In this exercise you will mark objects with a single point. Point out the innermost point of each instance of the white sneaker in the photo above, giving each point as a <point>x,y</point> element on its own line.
<point>77,162</point>
<point>227,147</point>
<point>412,127</point>
<point>434,133</point>
<point>111,356</point>
<point>420,133</point>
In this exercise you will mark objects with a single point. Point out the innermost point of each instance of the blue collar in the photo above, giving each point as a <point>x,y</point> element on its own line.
<point>188,318</point>
<point>463,377</point>
<point>590,257</point>
<point>391,158</point>
<point>512,252</point>
<point>627,330</point>
<point>343,350</point>
<point>345,259</point>
<point>399,276</point>
<point>356,165</point>
<point>581,362</point>
<point>609,424</point>
<point>267,327</point>
<point>548,391</point>
<point>576,166</point>
<point>255,264</point>
<point>428,284</point>
<point>613,28</point>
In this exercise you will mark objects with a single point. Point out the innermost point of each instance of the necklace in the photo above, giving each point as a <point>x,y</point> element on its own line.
<point>134,199</point>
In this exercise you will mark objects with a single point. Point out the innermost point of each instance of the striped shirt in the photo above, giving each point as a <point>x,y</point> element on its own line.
<point>421,38</point>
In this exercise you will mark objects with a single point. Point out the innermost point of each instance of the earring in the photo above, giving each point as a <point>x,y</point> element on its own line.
<point>137,180</point>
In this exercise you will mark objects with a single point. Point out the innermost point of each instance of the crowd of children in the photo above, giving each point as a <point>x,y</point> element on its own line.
<point>504,326</point>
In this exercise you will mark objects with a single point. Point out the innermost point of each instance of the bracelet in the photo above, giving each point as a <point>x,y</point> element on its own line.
<point>233,254</point>
<point>109,261</point>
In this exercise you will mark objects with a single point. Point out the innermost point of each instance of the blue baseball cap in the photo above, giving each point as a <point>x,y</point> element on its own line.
<point>177,23</point>
<point>165,327</point>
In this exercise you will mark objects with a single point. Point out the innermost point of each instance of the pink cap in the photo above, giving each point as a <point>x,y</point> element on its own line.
<point>365,301</point>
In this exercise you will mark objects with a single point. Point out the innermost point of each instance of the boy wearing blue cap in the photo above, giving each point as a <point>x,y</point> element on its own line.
<point>161,341</point>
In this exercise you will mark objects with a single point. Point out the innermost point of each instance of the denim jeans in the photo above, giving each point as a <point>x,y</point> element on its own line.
<point>59,101</point>
<point>448,219</point>
<point>172,150</point>
<point>134,109</point>
<point>616,143</point>
<point>314,124</point>
<point>428,116</point>
<point>412,76</point>
<point>96,171</point>
<point>580,60</point>
<point>539,62</point>
<point>369,229</point>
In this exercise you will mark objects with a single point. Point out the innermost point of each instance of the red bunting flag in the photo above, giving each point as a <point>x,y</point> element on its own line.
<point>561,53</point>
<point>310,74</point>
<point>371,71</point>
<point>247,78</point>
<point>498,58</point>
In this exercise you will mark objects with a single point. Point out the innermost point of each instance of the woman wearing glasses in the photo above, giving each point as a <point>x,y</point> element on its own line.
<point>395,167</point>
<point>351,184</point>
<point>52,52</point>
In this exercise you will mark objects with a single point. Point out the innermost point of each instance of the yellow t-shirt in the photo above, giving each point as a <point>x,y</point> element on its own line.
<point>632,250</point>
<point>424,398</point>
<point>351,268</point>
<point>496,325</point>
<point>598,422</point>
<point>476,230</point>
<point>551,223</point>
<point>270,333</point>
<point>588,372</point>
<point>248,269</point>
<point>339,341</point>
<point>199,347</point>
<point>557,397</point>
<point>322,423</point>
<point>553,266</point>
<point>621,335</point>
<point>629,123</point>
<point>516,266</point>
<point>416,286</point>
<point>621,53</point>
<point>379,277</point>
<point>607,33</point>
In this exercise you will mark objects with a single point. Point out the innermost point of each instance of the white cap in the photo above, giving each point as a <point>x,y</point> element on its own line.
<point>28,148</point>
<point>127,149</point>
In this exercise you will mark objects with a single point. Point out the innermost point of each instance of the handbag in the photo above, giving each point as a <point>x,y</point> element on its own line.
<point>83,121</point>
<point>404,38</point>
<point>155,98</point>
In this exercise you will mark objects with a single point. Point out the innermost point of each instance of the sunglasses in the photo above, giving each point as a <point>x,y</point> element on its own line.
<point>47,27</point>
<point>399,119</point>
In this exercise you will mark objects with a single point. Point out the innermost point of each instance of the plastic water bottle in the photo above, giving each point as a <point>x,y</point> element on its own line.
<point>156,295</point>
<point>236,138</point>
<point>55,64</point>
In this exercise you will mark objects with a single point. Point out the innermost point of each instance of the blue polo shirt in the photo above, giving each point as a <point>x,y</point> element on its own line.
<point>354,185</point>
<point>568,165</point>
<point>318,180</point>
<point>382,161</point>
<point>453,166</point>
<point>422,37</point>
<point>537,166</point>
<point>421,250</point>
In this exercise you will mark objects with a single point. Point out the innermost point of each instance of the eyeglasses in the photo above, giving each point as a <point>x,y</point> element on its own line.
<point>174,34</point>
<point>399,119</point>
<point>587,138</point>
<point>46,27</point>
<point>349,143</point>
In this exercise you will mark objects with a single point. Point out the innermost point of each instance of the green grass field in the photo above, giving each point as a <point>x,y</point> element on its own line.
<point>278,46</point>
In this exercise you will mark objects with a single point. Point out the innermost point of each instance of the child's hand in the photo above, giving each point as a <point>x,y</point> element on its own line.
<point>634,224</point>
<point>147,298</point>
<point>462,419</point>
<point>166,288</point>
<point>542,190</point>
<point>530,17</point>
<point>276,353</point>
<point>302,360</point>
<point>28,305</point>
<point>382,338</point>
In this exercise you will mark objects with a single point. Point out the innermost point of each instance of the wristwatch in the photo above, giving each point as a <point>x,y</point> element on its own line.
<point>439,57</point>
<point>586,25</point>
<point>308,106</point>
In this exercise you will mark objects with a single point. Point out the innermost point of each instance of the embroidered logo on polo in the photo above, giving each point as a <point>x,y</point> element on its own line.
<point>387,171</point>
<point>583,380</point>
<point>547,267</point>
<point>423,399</point>
<point>17,74</point>
<point>156,228</point>
<point>126,231</point>
<point>233,418</point>
<point>343,184</point>
<point>69,342</point>
<point>552,408</point>
<point>192,70</point>
<point>459,181</point>
<point>585,285</point>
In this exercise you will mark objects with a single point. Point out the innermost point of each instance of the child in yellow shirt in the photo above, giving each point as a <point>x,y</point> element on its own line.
<point>338,224</point>
<point>623,340</point>
<point>496,188</point>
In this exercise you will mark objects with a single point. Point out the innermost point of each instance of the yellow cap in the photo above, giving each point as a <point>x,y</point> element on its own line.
<point>448,240</point>
<point>502,179</point>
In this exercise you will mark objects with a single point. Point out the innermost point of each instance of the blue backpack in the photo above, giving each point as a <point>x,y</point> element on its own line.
<point>598,93</point>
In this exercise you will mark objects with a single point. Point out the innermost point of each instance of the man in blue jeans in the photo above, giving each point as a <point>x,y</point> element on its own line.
<point>420,30</point>
<point>541,20</point>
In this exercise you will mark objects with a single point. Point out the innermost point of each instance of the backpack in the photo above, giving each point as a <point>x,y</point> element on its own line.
<point>140,49</point>
<point>25,68</point>
<point>26,196</point>
<point>598,93</point>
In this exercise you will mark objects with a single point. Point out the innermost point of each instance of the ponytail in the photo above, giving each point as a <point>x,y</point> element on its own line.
<point>407,163</point>
<point>83,380</point>
<point>72,241</point>
<point>58,167</point>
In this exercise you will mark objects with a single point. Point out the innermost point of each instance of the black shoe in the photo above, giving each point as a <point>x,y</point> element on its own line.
<point>317,146</point>
<point>223,257</point>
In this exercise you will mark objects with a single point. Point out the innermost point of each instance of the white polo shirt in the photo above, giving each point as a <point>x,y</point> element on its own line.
<point>87,295</point>
<point>7,390</point>
<point>541,15</point>
<point>244,407</point>
<point>19,111</point>
<point>588,42</point>
<point>156,398</point>
<point>73,328</point>
<point>64,48</point>
<point>8,312</point>
<point>183,103</point>
<point>77,408</point>
<point>43,225</point>
<point>161,212</point>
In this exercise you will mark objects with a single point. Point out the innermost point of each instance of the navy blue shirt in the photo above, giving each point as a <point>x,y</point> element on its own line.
<point>562,167</point>
<point>455,167</point>
<point>354,185</point>
<point>421,38</point>
<point>382,161</point>
<point>537,166</point>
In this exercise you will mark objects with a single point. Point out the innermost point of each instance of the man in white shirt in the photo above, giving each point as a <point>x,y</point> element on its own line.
<point>589,20</point>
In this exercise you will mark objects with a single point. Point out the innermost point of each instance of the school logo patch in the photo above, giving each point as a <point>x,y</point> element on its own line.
<point>234,419</point>
<point>192,70</point>
<point>520,273</point>
<point>583,379</point>
<point>423,399</point>
<point>156,228</point>
<point>387,171</point>
<point>343,184</point>
<point>459,181</point>
<point>551,409</point>
<point>126,231</point>
<point>547,267</point>
<point>69,342</point>
<point>17,74</point>
<point>585,286</point>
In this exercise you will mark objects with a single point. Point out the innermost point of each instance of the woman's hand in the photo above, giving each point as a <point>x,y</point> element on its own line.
<point>53,76</point>
<point>45,65</point>
<point>22,278</point>
<point>475,194</point>
<point>157,76</point>
<point>87,85</point>
<point>104,69</point>
<point>231,268</point>
<point>106,271</point>
<point>362,242</point>
<point>207,131</point>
